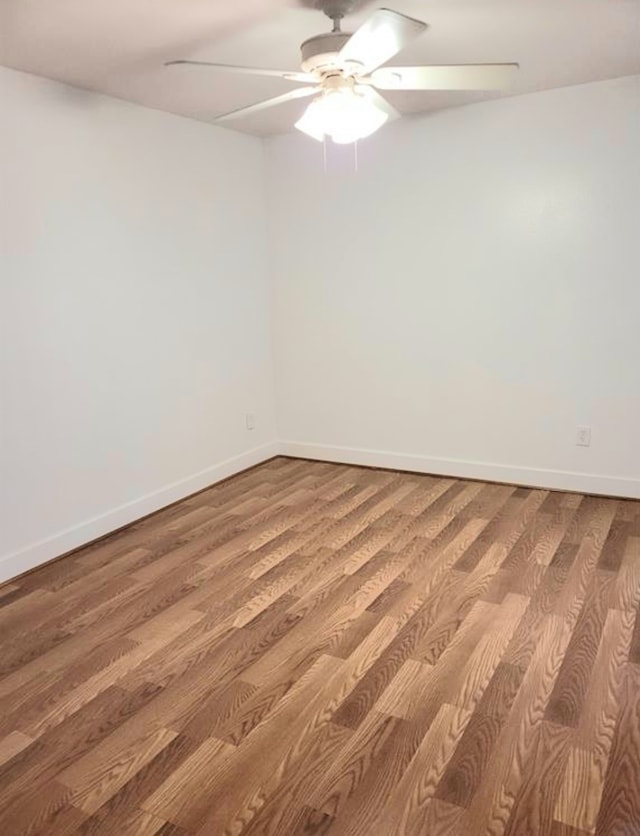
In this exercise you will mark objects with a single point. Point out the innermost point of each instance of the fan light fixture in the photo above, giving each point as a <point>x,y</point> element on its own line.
<point>343,115</point>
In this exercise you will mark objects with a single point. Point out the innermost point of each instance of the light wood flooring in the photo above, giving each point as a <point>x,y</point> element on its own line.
<point>312,648</point>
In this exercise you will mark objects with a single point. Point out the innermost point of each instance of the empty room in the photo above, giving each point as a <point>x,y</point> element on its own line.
<point>319,415</point>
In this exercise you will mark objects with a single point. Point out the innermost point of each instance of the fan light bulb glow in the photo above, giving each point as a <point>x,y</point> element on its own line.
<point>344,115</point>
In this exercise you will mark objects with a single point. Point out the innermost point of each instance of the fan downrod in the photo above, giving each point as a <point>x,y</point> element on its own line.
<point>335,10</point>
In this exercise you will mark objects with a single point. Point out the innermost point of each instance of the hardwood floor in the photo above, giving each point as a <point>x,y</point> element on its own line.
<point>312,648</point>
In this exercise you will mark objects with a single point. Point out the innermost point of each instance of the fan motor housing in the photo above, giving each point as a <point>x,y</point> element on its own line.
<point>320,54</point>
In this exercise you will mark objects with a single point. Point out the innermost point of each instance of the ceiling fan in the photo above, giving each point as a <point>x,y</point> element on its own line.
<point>344,73</point>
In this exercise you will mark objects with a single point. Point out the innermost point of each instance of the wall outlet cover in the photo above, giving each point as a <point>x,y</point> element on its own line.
<point>583,436</point>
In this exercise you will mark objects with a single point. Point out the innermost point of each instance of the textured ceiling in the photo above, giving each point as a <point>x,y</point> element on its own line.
<point>119,46</point>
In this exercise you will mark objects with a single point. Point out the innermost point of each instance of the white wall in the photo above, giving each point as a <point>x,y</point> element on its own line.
<point>459,305</point>
<point>471,295</point>
<point>134,333</point>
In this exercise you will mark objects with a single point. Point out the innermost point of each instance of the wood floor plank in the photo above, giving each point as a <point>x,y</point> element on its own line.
<point>620,807</point>
<point>120,811</point>
<point>361,753</point>
<point>70,740</point>
<point>316,648</point>
<point>533,805</point>
<point>192,777</point>
<point>580,793</point>
<point>284,810</point>
<point>408,805</point>
<point>492,804</point>
<point>363,808</point>
<point>101,773</point>
<point>12,744</point>
<point>565,704</point>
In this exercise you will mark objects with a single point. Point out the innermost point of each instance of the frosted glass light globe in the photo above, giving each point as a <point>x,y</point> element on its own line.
<point>344,115</point>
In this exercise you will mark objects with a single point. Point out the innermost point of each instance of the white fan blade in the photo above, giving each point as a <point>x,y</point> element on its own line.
<point>451,77</point>
<point>380,37</point>
<point>379,101</point>
<point>306,78</point>
<point>298,93</point>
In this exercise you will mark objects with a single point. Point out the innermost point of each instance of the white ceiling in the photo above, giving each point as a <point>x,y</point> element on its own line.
<point>119,46</point>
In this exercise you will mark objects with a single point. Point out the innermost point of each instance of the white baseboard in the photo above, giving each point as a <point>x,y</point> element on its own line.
<point>72,538</point>
<point>563,480</point>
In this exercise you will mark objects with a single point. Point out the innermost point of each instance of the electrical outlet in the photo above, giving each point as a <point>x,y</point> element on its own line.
<point>250,420</point>
<point>583,436</point>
